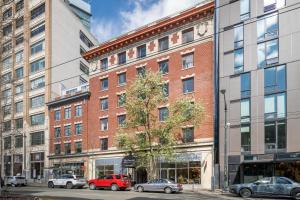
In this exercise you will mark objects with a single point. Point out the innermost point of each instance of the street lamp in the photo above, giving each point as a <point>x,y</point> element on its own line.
<point>225,186</point>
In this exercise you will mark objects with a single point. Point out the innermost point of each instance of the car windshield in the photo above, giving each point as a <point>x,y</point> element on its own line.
<point>170,181</point>
<point>265,180</point>
<point>79,177</point>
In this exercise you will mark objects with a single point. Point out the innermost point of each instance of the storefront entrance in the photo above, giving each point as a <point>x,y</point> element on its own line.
<point>141,175</point>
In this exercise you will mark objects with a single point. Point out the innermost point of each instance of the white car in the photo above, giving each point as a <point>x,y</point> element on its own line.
<point>16,180</point>
<point>68,181</point>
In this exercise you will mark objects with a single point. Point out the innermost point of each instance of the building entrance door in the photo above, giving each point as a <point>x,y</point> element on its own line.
<point>141,175</point>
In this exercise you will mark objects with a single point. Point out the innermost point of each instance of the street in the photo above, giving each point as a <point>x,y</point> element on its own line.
<point>77,194</point>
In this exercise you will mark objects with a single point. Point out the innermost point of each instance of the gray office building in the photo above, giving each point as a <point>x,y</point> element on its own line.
<point>258,67</point>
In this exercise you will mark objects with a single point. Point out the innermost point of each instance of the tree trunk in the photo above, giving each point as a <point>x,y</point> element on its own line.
<point>152,168</point>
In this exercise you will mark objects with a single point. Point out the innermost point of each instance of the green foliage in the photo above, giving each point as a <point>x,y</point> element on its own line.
<point>146,137</point>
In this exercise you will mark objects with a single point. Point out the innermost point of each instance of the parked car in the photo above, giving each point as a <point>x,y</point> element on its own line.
<point>163,185</point>
<point>68,181</point>
<point>113,181</point>
<point>268,186</point>
<point>16,180</point>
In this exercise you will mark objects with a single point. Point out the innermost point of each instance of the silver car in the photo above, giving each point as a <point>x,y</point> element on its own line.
<point>163,185</point>
<point>268,186</point>
<point>16,180</point>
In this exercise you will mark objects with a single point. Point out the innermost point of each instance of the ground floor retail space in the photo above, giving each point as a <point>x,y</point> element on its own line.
<point>188,167</point>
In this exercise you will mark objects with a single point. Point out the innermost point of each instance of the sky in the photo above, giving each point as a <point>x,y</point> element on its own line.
<point>112,18</point>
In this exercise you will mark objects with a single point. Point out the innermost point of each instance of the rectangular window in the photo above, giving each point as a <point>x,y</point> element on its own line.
<point>121,120</point>
<point>7,142</point>
<point>163,43</point>
<point>188,85</point>
<point>78,110</point>
<point>57,115</point>
<point>78,147</point>
<point>267,53</point>
<point>245,9</point>
<point>104,124</point>
<point>37,138</point>
<point>67,113</point>
<point>275,79</point>
<point>267,27</point>
<point>165,89</point>
<point>188,61</point>
<point>122,58</point>
<point>6,110</point>
<point>19,56</point>
<point>7,126</point>
<point>7,14</point>
<point>7,63</point>
<point>19,89</point>
<point>245,138</point>
<point>57,148</point>
<point>38,119</point>
<point>275,106</point>
<point>37,30</point>
<point>141,51</point>
<point>188,135</point>
<point>67,147</point>
<point>37,47</point>
<point>57,132</point>
<point>104,84</point>
<point>19,39</point>
<point>19,141</point>
<point>85,39</point>
<point>19,22</point>
<point>188,35</point>
<point>19,107</point>
<point>84,68</point>
<point>239,60</point>
<point>7,47</point>
<point>37,11</point>
<point>141,71</point>
<point>164,67</point>
<point>78,129</point>
<point>104,144</point>
<point>6,93</point>
<point>37,83</point>
<point>121,99</point>
<point>122,78</point>
<point>275,135</point>
<point>104,104</point>
<point>19,73</point>
<point>163,114</point>
<point>7,30</point>
<point>245,111</point>
<point>19,5</point>
<point>67,130</point>
<point>238,36</point>
<point>38,101</point>
<point>19,123</point>
<point>6,78</point>
<point>273,5</point>
<point>104,64</point>
<point>245,85</point>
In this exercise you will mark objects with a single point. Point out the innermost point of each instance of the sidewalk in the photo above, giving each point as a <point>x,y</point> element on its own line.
<point>37,184</point>
<point>216,193</point>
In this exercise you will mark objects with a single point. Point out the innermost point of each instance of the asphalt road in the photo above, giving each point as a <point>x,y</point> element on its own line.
<point>44,193</point>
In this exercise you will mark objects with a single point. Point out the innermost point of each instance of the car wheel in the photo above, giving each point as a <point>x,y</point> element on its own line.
<point>69,185</point>
<point>168,190</point>
<point>296,194</point>
<point>114,187</point>
<point>245,193</point>
<point>140,189</point>
<point>92,186</point>
<point>50,185</point>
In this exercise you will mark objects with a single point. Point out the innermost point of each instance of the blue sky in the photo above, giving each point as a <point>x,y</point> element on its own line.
<point>115,17</point>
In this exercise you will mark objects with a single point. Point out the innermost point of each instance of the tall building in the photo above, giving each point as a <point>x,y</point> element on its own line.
<point>259,76</point>
<point>181,48</point>
<point>41,46</point>
<point>82,9</point>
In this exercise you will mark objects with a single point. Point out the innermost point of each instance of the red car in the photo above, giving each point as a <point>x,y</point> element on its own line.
<point>113,181</point>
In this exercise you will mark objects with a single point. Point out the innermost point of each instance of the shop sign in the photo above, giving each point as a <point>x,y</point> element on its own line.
<point>185,157</point>
<point>129,161</point>
<point>288,156</point>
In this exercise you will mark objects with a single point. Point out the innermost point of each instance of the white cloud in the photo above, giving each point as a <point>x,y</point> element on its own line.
<point>141,14</point>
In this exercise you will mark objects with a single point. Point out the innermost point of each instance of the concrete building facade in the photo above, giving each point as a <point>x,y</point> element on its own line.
<point>258,70</point>
<point>181,48</point>
<point>41,46</point>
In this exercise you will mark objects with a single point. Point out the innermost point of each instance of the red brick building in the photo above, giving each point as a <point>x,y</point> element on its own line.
<point>68,119</point>
<point>180,47</point>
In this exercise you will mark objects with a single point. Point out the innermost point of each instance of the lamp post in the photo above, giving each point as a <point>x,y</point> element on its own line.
<point>225,186</point>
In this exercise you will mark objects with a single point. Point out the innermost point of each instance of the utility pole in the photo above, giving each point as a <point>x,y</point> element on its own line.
<point>225,185</point>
